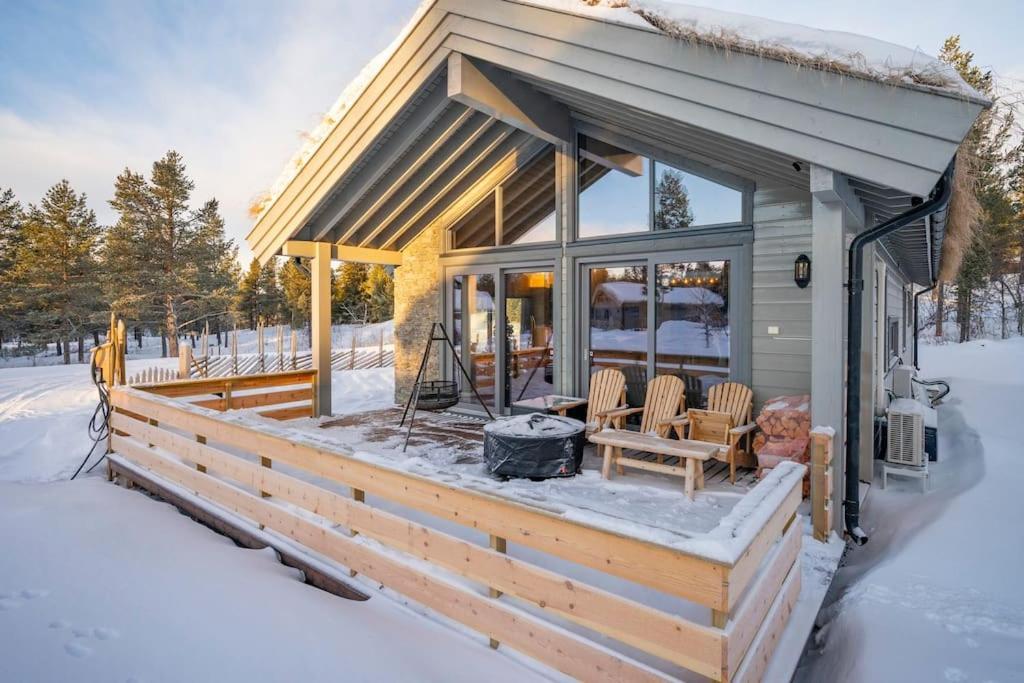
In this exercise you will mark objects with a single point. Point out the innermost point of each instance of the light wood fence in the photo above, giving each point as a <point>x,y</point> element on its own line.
<point>232,465</point>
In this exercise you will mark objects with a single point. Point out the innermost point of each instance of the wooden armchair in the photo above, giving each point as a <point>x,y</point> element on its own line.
<point>665,399</point>
<point>607,393</point>
<point>726,421</point>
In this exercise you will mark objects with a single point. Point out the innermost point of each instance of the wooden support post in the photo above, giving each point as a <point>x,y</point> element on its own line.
<point>499,545</point>
<point>380,351</point>
<point>821,482</point>
<point>719,619</point>
<point>320,316</point>
<point>227,396</point>
<point>184,361</point>
<point>352,358</point>
<point>268,463</point>
<point>359,496</point>
<point>200,439</point>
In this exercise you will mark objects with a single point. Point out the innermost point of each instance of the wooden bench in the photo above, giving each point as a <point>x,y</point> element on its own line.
<point>693,453</point>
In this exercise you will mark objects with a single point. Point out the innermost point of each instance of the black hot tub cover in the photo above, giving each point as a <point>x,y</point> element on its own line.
<point>537,446</point>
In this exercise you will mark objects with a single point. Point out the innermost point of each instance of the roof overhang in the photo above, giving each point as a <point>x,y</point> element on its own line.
<point>477,89</point>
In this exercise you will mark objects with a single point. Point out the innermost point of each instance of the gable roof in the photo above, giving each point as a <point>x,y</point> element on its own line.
<point>402,153</point>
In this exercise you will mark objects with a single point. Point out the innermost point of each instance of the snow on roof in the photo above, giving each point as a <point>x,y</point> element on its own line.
<point>835,51</point>
<point>312,141</point>
<point>636,292</point>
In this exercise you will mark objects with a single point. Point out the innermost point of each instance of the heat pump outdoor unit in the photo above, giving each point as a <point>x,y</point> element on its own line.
<point>903,381</point>
<point>906,433</point>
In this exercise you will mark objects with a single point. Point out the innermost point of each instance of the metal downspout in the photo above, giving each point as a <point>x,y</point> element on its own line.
<point>938,199</point>
<point>917,365</point>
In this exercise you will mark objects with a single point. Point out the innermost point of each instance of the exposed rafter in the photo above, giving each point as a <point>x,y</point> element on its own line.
<point>496,93</point>
<point>340,252</point>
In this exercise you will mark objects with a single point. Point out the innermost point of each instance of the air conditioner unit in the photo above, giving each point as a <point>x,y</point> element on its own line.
<point>906,433</point>
<point>903,381</point>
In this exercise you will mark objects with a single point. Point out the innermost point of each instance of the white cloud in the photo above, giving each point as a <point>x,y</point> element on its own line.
<point>232,102</point>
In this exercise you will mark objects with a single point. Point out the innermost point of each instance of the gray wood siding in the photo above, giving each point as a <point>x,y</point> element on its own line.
<point>781,364</point>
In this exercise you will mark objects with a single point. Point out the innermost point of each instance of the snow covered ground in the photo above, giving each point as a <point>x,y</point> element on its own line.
<point>102,584</point>
<point>366,336</point>
<point>937,593</point>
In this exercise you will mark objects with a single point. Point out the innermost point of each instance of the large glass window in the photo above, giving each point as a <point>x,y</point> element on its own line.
<point>621,192</point>
<point>528,202</point>
<point>476,228</point>
<point>618,324</point>
<point>613,201</point>
<point>692,324</point>
<point>529,350</point>
<point>527,209</point>
<point>473,323</point>
<point>683,200</point>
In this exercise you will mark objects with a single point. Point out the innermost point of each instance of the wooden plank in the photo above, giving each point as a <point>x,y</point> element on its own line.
<point>666,569</point>
<point>197,387</point>
<point>288,413</point>
<point>750,561</point>
<point>237,532</point>
<point>242,401</point>
<point>672,638</point>
<point>751,612</point>
<point>654,444</point>
<point>753,667</point>
<point>550,645</point>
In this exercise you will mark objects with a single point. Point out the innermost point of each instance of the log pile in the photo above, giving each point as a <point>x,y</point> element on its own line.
<point>785,424</point>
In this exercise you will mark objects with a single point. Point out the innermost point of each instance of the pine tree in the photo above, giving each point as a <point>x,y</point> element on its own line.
<point>164,260</point>
<point>349,296</point>
<point>379,292</point>
<point>217,271</point>
<point>55,267</point>
<point>10,238</point>
<point>259,299</point>
<point>989,152</point>
<point>673,202</point>
<point>296,292</point>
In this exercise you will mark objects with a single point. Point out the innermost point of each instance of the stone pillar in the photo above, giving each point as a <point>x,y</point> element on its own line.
<point>418,293</point>
<point>320,319</point>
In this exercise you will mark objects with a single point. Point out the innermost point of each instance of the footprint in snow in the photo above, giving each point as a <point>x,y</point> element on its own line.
<point>81,632</point>
<point>33,593</point>
<point>8,604</point>
<point>76,649</point>
<point>60,623</point>
<point>105,633</point>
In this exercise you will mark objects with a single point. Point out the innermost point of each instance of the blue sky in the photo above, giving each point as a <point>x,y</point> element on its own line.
<point>87,88</point>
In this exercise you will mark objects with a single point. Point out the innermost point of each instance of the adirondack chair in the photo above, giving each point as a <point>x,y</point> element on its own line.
<point>726,421</point>
<point>607,393</point>
<point>665,399</point>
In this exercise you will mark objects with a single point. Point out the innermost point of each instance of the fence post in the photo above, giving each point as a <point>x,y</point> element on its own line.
<point>499,545</point>
<point>200,439</point>
<point>380,351</point>
<point>352,360</point>
<point>295,347</point>
<point>821,481</point>
<point>184,361</point>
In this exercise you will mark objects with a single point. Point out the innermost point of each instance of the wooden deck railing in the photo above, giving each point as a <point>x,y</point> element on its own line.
<point>822,440</point>
<point>231,464</point>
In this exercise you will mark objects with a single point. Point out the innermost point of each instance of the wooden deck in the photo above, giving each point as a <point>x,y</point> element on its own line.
<point>464,435</point>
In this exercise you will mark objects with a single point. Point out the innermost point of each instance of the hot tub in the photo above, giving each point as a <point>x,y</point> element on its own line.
<point>535,446</point>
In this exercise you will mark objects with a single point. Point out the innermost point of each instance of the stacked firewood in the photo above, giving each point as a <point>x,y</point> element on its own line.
<point>785,424</point>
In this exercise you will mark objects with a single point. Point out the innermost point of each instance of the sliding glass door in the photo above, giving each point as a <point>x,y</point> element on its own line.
<point>661,314</point>
<point>617,323</point>
<point>473,326</point>
<point>529,338</point>
<point>502,323</point>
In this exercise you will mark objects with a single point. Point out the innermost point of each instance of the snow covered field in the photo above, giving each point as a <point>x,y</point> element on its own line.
<point>102,584</point>
<point>366,336</point>
<point>937,593</point>
<point>98,583</point>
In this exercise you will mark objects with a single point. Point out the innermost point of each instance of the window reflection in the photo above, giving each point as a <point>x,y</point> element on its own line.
<point>692,324</point>
<point>473,331</point>
<point>528,202</point>
<point>618,325</point>
<point>683,200</point>
<point>611,201</point>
